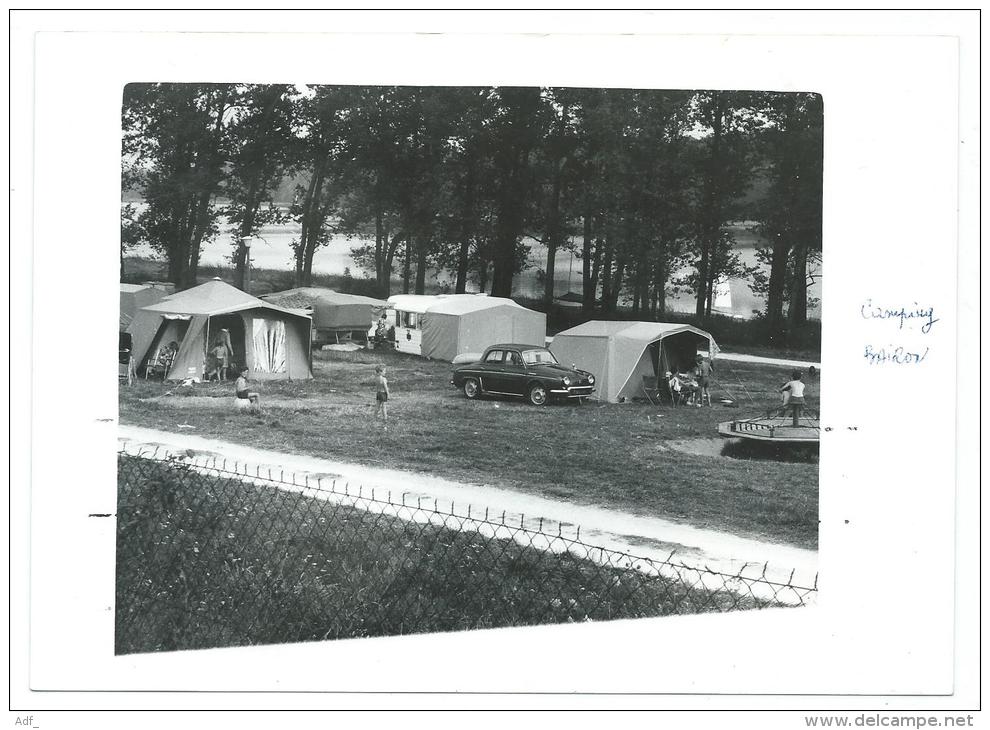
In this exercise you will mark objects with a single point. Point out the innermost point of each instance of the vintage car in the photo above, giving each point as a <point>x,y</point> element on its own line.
<point>524,371</point>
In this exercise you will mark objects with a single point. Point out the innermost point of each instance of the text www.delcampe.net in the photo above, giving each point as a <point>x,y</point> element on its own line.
<point>878,720</point>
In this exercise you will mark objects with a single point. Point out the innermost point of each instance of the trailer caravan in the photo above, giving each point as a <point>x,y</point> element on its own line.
<point>443,326</point>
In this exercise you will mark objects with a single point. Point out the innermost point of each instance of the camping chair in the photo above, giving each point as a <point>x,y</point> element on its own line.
<point>161,364</point>
<point>651,389</point>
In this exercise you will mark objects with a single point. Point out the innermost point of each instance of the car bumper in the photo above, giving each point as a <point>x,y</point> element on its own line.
<point>575,391</point>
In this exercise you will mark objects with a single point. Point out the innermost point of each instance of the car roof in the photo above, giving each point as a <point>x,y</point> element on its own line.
<point>515,346</point>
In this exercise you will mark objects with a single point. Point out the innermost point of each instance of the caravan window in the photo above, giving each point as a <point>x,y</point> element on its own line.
<point>410,320</point>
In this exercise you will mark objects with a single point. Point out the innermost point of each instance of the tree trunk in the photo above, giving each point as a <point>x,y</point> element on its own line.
<point>616,284</point>
<point>385,281</point>
<point>553,234</point>
<point>482,275</point>
<point>380,243</point>
<point>246,229</point>
<point>422,250</point>
<point>310,212</point>
<point>660,283</point>
<point>710,292</point>
<point>467,228</point>
<point>506,237</point>
<point>710,223</point>
<point>587,285</point>
<point>508,228</point>
<point>798,310</point>
<point>775,292</point>
<point>606,271</point>
<point>407,266</point>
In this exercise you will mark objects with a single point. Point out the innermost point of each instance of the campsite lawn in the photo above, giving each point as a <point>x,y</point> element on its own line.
<point>609,455</point>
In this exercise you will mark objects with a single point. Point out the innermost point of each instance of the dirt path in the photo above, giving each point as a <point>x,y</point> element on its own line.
<point>649,537</point>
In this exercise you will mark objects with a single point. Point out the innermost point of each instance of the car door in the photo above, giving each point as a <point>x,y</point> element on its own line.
<point>493,373</point>
<point>514,373</point>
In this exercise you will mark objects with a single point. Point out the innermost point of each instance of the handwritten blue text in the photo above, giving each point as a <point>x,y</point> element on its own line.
<point>894,355</point>
<point>902,315</point>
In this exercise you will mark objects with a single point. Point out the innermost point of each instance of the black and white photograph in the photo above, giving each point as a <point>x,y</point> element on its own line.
<point>473,360</point>
<point>414,359</point>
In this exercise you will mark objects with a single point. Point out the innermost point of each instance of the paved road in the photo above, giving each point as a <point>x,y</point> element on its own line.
<point>769,360</point>
<point>648,537</point>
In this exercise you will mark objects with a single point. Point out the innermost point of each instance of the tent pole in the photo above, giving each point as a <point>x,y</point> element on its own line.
<point>206,344</point>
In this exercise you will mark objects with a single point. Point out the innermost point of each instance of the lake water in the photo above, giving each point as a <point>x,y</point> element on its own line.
<point>273,250</point>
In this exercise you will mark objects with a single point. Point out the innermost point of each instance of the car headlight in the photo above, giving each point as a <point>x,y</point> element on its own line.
<point>591,380</point>
<point>567,381</point>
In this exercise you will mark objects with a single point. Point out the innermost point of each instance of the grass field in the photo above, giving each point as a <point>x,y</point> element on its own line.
<point>611,455</point>
<point>206,562</point>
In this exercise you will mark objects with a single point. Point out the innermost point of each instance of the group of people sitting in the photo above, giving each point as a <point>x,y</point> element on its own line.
<point>691,387</point>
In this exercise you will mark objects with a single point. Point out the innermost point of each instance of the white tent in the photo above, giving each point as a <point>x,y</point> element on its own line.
<point>624,356</point>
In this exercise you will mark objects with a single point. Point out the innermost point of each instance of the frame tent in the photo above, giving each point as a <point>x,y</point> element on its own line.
<point>623,355</point>
<point>272,341</point>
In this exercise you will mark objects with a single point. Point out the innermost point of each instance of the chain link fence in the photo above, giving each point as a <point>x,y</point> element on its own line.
<point>210,555</point>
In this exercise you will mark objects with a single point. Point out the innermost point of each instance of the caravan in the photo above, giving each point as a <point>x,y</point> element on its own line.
<point>444,326</point>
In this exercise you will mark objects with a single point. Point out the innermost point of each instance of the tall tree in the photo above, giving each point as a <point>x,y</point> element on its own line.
<point>177,136</point>
<point>726,121</point>
<point>323,131</point>
<point>262,154</point>
<point>517,128</point>
<point>790,217</point>
<point>557,155</point>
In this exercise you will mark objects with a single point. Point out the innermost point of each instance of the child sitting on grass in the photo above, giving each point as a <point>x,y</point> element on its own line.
<point>246,400</point>
<point>381,394</point>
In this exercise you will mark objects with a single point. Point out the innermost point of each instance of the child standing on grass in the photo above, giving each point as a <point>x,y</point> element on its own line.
<point>703,372</point>
<point>794,389</point>
<point>381,394</point>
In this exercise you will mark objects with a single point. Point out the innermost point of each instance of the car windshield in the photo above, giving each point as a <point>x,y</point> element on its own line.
<point>538,357</point>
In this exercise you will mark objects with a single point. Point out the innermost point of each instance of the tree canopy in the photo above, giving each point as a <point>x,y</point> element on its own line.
<point>642,185</point>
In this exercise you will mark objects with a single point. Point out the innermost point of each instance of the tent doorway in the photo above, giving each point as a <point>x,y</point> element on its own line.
<point>164,346</point>
<point>673,354</point>
<point>678,352</point>
<point>230,328</point>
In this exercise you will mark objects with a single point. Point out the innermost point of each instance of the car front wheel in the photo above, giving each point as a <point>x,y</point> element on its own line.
<point>537,395</point>
<point>471,388</point>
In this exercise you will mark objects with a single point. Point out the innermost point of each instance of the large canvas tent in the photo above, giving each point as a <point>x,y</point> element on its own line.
<point>446,326</point>
<point>135,296</point>
<point>624,356</point>
<point>335,314</point>
<point>272,341</point>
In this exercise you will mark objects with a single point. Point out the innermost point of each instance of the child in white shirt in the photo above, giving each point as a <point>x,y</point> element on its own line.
<point>794,390</point>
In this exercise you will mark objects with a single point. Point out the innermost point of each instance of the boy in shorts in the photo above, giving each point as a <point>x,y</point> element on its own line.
<point>246,400</point>
<point>381,394</point>
<point>794,388</point>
